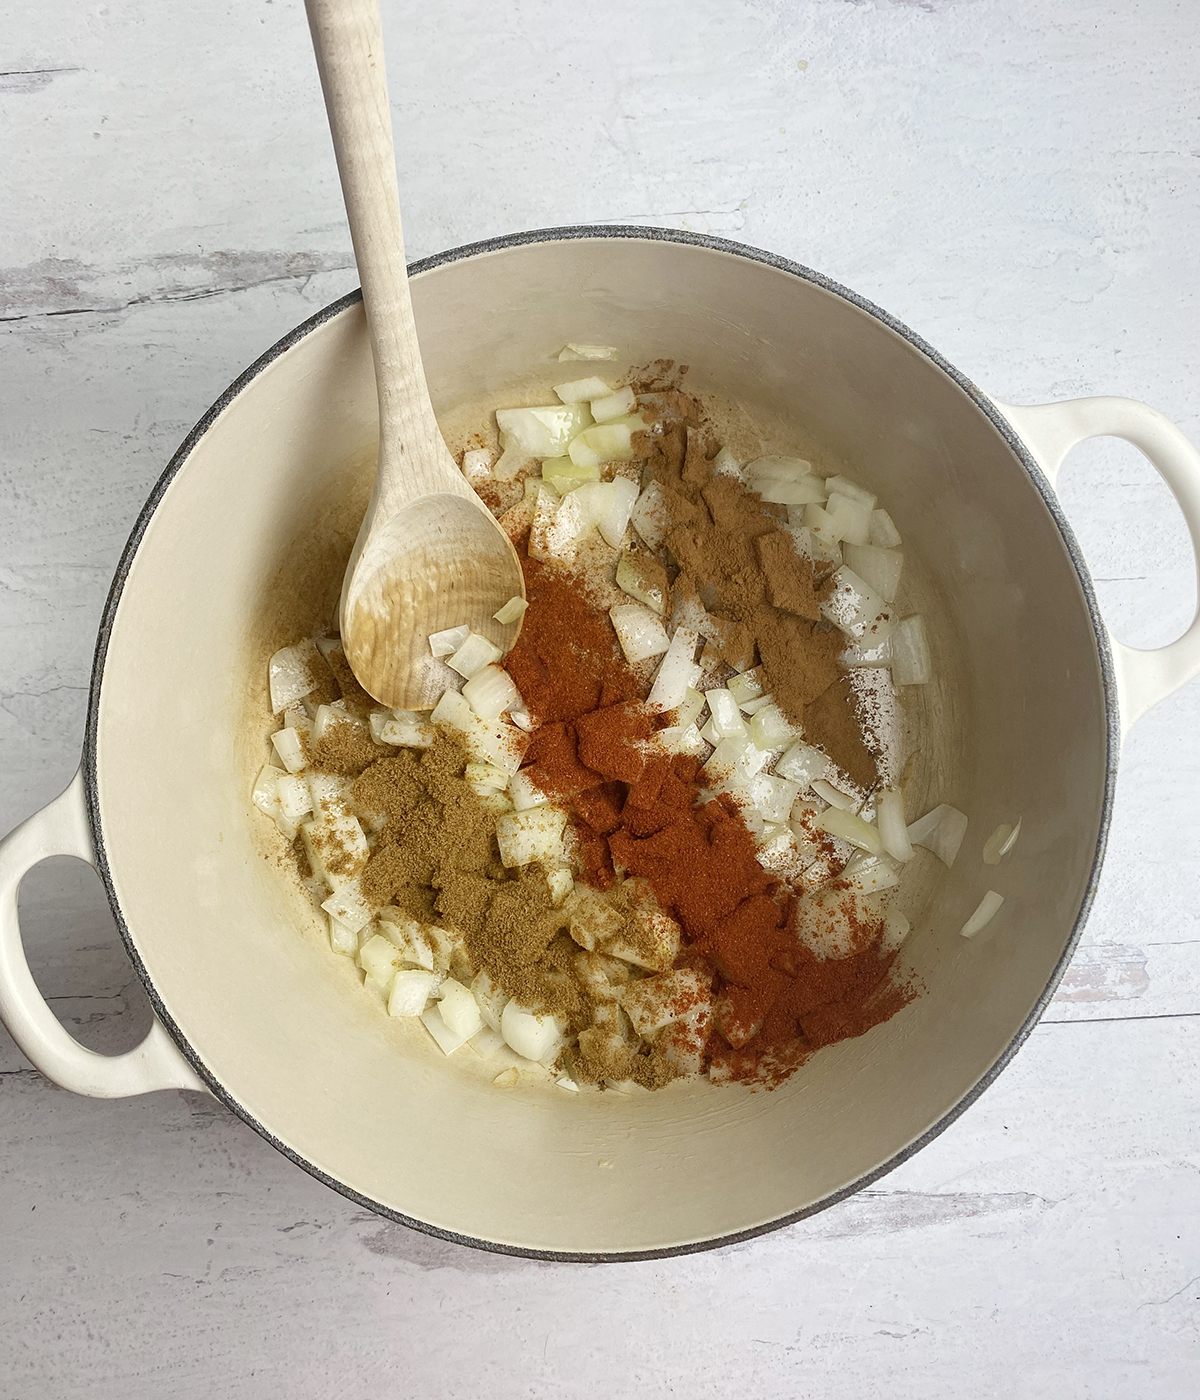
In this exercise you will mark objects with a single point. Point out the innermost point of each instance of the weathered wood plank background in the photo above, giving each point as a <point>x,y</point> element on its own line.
<point>1019,183</point>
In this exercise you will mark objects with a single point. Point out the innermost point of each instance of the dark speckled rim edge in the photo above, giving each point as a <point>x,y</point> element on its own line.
<point>721,245</point>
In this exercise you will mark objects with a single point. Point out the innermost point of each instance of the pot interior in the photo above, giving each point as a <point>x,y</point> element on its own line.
<point>244,553</point>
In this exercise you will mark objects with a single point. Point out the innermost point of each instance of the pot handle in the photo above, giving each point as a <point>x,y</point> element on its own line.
<point>61,828</point>
<point>1050,431</point>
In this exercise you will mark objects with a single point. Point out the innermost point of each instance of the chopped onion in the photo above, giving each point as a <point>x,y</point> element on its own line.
<point>536,432</point>
<point>734,762</point>
<point>290,749</point>
<point>487,775</point>
<point>448,1041</point>
<point>855,607</point>
<point>833,795</point>
<point>806,491</point>
<point>292,674</point>
<point>911,662</point>
<point>521,717</point>
<point>676,674</point>
<point>533,834</point>
<point>640,633</point>
<point>490,999</point>
<point>511,611</point>
<point>525,793</point>
<point>408,731</point>
<point>265,795</point>
<point>773,796</point>
<point>614,405</point>
<point>572,351</point>
<point>802,764</point>
<point>562,475</point>
<point>643,578</point>
<point>869,652</point>
<point>726,464</point>
<point>535,1037</point>
<point>295,800</point>
<point>477,465</point>
<point>560,883</point>
<point>896,929</point>
<point>485,1043</point>
<point>867,874</point>
<point>459,1009</point>
<point>655,1002</point>
<point>989,906</point>
<point>448,642</point>
<point>746,685</point>
<point>411,990</point>
<point>490,692</point>
<point>690,707</point>
<point>940,831</point>
<point>777,469</point>
<point>879,567</point>
<point>851,518</point>
<point>845,487</point>
<point>342,939</point>
<point>649,515</point>
<point>884,534</point>
<point>752,707</point>
<point>727,721</point>
<point>649,939</point>
<point>579,389</point>
<point>709,733</point>
<point>770,728</point>
<point>347,905</point>
<point>889,813</point>
<point>683,738</point>
<point>838,822</point>
<point>999,843</point>
<point>489,741</point>
<point>378,958</point>
<point>474,654</point>
<point>823,529</point>
<point>603,442</point>
<point>620,498</point>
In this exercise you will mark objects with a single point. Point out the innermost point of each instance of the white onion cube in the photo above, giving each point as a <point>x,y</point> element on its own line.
<point>474,654</point>
<point>347,905</point>
<point>649,515</point>
<point>611,521</point>
<point>290,748</point>
<point>640,633</point>
<point>580,389</point>
<point>342,940</point>
<point>411,990</point>
<point>448,642</point>
<point>535,1037</point>
<point>293,673</point>
<point>534,834</point>
<point>448,1041</point>
<point>881,568</point>
<point>459,1009</point>
<point>407,731</point>
<point>911,662</point>
<point>854,606</point>
<point>511,611</point>
<point>989,907</point>
<point>770,728</point>
<point>490,692</point>
<point>677,673</point>
<point>614,405</point>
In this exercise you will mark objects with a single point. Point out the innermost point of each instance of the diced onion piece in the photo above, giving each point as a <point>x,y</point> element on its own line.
<point>347,905</point>
<point>726,464</point>
<point>851,518</point>
<point>889,814</point>
<point>521,717</point>
<point>485,1043</point>
<point>511,611</point>
<point>746,685</point>
<point>845,487</point>
<point>649,515</point>
<point>884,534</point>
<point>709,733</point>
<point>752,707</point>
<point>525,793</point>
<point>295,800</point>
<point>807,490</point>
<point>561,883</point>
<point>407,730</point>
<point>448,1041</point>
<point>823,529</point>
<point>448,642</point>
<point>490,999</point>
<point>411,990</point>
<point>940,831</point>
<point>896,929</point>
<point>563,475</point>
<point>293,673</point>
<point>579,389</point>
<point>614,405</point>
<point>988,908</point>
<point>603,442</point>
<point>734,762</point>
<point>622,493</point>
<point>833,795</point>
<point>534,834</point>
<point>290,748</point>
<point>517,519</point>
<point>486,775</point>
<point>773,796</point>
<point>490,692</point>
<point>854,606</point>
<point>537,432</point>
<point>777,469</point>
<point>378,958</point>
<point>265,794</point>
<point>535,1037</point>
<point>643,578</point>
<point>850,828</point>
<point>770,728</point>
<point>999,843</point>
<point>869,652</point>
<point>727,721</point>
<point>342,940</point>
<point>868,874</point>
<point>328,716</point>
<point>474,654</point>
<point>676,675</point>
<point>489,741</point>
<point>911,662</point>
<point>880,568</point>
<point>477,465</point>
<point>573,351</point>
<point>690,707</point>
<point>640,633</point>
<point>802,764</point>
<point>377,719</point>
<point>459,1009</point>
<point>655,1002</point>
<point>685,739</point>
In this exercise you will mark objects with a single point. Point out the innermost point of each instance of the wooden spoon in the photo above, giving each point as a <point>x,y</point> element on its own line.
<point>429,554</point>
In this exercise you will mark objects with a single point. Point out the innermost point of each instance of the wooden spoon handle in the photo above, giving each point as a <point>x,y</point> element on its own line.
<point>348,40</point>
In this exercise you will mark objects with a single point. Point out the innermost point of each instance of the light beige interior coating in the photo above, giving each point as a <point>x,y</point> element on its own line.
<point>269,496</point>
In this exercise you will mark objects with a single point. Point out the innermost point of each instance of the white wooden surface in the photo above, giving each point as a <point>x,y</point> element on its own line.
<point>1021,184</point>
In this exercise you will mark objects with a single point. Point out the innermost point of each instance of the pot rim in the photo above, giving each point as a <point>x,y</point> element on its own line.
<point>552,235</point>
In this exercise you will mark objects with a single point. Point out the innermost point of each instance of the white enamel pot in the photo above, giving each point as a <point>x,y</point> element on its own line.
<point>1024,720</point>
